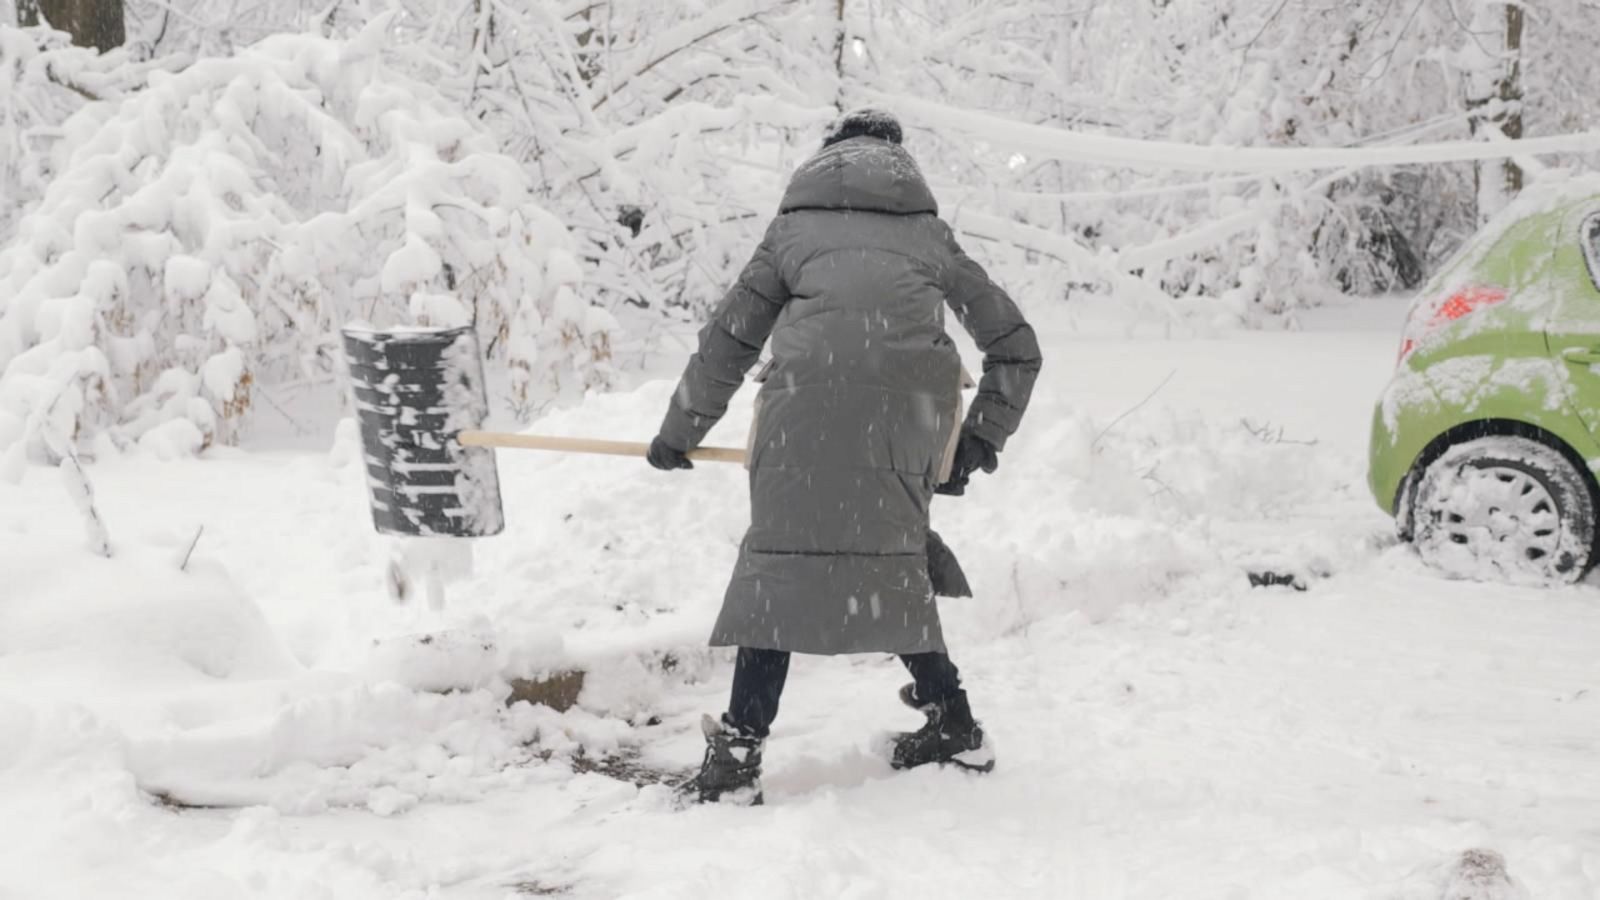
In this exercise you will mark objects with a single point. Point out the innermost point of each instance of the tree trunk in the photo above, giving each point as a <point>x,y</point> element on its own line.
<point>1493,72</point>
<point>92,23</point>
<point>1511,95</point>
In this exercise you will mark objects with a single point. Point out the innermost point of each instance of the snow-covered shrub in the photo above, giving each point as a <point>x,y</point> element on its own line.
<point>658,132</point>
<point>212,232</point>
<point>43,81</point>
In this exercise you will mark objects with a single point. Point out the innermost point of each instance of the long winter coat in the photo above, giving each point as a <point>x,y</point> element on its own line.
<point>857,410</point>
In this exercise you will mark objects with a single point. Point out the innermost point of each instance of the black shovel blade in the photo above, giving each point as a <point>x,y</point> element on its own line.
<point>414,391</point>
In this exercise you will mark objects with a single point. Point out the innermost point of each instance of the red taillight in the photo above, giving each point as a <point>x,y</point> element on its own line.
<point>1406,346</point>
<point>1433,314</point>
<point>1465,301</point>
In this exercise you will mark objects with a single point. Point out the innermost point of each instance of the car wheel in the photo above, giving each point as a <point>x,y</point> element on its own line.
<point>1505,509</point>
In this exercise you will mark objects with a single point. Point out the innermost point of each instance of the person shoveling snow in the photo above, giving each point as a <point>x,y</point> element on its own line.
<point>858,424</point>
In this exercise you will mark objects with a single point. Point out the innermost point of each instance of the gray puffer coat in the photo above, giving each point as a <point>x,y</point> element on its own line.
<point>859,406</point>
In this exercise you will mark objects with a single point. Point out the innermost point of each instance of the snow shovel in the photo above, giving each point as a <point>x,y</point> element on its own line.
<point>420,399</point>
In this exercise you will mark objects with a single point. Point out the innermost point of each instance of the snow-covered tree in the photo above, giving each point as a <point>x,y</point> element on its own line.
<point>1204,72</point>
<point>212,232</point>
<point>207,205</point>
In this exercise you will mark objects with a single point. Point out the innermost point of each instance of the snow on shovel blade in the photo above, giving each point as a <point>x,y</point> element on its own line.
<point>415,390</point>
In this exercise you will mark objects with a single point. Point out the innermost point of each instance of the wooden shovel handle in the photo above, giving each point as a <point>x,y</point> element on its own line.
<point>586,445</point>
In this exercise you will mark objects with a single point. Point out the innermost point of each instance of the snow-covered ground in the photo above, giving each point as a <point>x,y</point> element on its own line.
<point>266,722</point>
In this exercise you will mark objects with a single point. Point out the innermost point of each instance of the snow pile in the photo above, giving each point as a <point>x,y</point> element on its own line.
<point>134,617</point>
<point>170,684</point>
<point>211,233</point>
<point>1141,510</point>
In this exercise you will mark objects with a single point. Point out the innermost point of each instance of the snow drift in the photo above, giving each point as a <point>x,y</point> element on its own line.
<point>135,618</point>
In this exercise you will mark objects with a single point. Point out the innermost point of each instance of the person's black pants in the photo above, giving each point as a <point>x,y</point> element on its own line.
<point>759,676</point>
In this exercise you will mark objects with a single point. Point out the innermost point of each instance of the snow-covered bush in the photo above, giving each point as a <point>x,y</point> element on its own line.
<point>43,81</point>
<point>211,233</point>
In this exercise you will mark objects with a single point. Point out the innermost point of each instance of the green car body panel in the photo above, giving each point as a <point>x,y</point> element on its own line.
<point>1503,334</point>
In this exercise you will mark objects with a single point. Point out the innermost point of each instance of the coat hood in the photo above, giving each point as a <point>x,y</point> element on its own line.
<point>864,174</point>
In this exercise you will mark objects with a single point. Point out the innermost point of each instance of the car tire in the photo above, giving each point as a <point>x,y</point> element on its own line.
<point>1503,508</point>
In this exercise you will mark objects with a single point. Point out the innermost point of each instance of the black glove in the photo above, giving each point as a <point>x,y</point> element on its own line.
<point>972,453</point>
<point>667,457</point>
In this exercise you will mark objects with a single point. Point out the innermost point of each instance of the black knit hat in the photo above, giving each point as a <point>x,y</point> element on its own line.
<point>863,122</point>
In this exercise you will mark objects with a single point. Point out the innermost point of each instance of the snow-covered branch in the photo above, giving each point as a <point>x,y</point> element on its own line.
<point>1118,152</point>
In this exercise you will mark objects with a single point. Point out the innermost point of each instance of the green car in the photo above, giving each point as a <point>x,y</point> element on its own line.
<point>1484,444</point>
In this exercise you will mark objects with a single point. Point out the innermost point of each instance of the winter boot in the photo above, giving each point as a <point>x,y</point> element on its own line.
<point>950,736</point>
<point>731,771</point>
